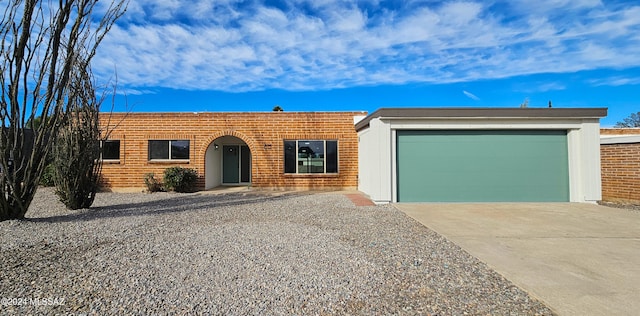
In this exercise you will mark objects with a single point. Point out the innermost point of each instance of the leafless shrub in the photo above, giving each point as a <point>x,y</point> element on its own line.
<point>46,48</point>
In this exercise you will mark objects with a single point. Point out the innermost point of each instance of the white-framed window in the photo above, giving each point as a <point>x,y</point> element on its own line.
<point>310,156</point>
<point>169,149</point>
<point>110,149</point>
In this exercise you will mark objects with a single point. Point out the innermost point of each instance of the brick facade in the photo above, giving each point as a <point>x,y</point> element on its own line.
<point>620,131</point>
<point>620,166</point>
<point>262,132</point>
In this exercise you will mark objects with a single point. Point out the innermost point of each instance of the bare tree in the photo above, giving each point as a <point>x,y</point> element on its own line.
<point>633,120</point>
<point>44,46</point>
<point>76,153</point>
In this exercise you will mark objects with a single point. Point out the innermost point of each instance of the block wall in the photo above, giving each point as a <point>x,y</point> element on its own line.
<point>263,132</point>
<point>620,166</point>
<point>620,131</point>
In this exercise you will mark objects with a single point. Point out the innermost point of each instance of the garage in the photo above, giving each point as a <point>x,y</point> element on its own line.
<point>482,166</point>
<point>463,154</point>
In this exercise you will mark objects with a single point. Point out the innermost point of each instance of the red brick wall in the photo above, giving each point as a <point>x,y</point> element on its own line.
<point>620,166</point>
<point>257,129</point>
<point>620,131</point>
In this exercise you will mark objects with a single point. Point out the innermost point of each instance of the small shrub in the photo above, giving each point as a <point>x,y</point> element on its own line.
<point>180,179</point>
<point>153,184</point>
<point>48,176</point>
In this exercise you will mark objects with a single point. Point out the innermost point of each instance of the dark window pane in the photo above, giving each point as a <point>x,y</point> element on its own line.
<point>332,156</point>
<point>158,149</point>
<point>245,164</point>
<point>179,149</point>
<point>289,156</point>
<point>111,150</point>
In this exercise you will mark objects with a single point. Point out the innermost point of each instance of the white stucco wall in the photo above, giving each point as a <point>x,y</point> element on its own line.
<point>374,156</point>
<point>213,167</point>
<point>377,157</point>
<point>591,177</point>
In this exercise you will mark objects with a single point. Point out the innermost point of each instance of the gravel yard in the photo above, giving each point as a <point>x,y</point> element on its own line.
<point>240,253</point>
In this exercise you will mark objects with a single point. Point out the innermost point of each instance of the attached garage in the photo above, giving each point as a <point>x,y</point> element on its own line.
<point>482,166</point>
<point>480,155</point>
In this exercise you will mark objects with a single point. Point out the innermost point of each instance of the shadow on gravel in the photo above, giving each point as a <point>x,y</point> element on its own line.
<point>176,204</point>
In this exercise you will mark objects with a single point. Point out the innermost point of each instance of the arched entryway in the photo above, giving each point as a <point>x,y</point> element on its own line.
<point>227,162</point>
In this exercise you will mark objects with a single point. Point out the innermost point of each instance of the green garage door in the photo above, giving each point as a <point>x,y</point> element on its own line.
<point>482,166</point>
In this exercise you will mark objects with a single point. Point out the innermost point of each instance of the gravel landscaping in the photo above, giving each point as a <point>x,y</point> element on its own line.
<point>627,206</point>
<point>242,253</point>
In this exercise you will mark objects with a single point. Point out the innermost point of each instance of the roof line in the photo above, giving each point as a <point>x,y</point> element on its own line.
<point>466,112</point>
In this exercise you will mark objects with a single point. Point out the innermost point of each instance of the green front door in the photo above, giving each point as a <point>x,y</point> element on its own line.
<point>236,164</point>
<point>230,164</point>
<point>482,166</point>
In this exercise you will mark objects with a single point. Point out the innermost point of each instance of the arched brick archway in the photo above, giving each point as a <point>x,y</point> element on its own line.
<point>226,153</point>
<point>209,141</point>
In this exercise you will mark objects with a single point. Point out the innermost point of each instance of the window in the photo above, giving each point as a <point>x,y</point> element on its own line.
<point>310,156</point>
<point>110,150</point>
<point>169,150</point>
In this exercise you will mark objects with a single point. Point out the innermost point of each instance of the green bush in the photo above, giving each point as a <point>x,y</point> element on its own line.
<point>48,176</point>
<point>180,179</point>
<point>153,184</point>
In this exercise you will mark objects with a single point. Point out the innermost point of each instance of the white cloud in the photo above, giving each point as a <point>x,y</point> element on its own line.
<point>470,95</point>
<point>537,87</point>
<point>238,46</point>
<point>616,81</point>
<point>347,21</point>
<point>551,86</point>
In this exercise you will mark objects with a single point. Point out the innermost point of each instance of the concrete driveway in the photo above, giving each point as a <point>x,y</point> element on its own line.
<point>579,259</point>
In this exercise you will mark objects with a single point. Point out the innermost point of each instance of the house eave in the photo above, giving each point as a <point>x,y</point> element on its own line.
<point>481,113</point>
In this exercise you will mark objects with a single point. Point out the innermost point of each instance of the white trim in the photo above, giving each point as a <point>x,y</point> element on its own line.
<point>477,124</point>
<point>358,118</point>
<point>575,164</point>
<point>619,139</point>
<point>169,161</point>
<point>394,165</point>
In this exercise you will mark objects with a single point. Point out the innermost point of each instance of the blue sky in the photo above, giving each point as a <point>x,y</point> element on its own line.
<point>332,55</point>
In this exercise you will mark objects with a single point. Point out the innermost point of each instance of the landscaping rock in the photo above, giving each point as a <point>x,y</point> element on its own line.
<point>238,254</point>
